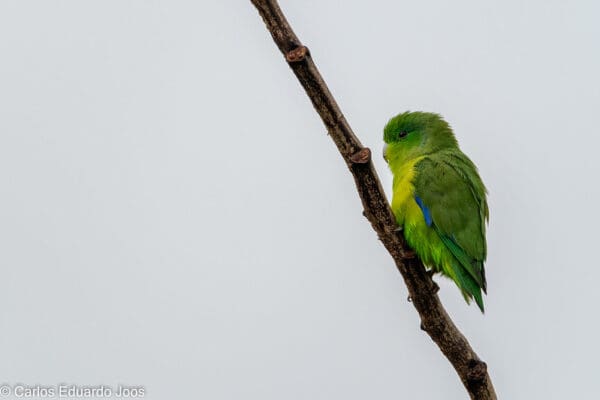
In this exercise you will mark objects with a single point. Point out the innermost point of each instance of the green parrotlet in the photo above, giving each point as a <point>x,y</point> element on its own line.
<point>439,199</point>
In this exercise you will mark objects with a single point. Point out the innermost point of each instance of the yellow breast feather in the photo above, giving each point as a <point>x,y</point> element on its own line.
<point>405,208</point>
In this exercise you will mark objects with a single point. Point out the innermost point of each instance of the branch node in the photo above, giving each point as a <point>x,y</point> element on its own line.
<point>362,156</point>
<point>296,55</point>
<point>477,371</point>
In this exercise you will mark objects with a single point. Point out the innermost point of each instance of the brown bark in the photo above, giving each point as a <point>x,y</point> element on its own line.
<point>422,290</point>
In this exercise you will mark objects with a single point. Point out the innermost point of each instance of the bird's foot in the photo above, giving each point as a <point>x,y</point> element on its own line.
<point>434,286</point>
<point>409,254</point>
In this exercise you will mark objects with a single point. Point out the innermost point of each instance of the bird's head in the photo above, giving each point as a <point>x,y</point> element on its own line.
<point>414,134</point>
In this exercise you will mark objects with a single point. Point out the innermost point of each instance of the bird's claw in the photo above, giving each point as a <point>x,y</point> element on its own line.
<point>409,254</point>
<point>435,287</point>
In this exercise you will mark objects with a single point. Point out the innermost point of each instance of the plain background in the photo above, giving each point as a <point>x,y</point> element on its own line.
<point>174,215</point>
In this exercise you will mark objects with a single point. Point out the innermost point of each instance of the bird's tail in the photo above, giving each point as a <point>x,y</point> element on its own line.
<point>469,287</point>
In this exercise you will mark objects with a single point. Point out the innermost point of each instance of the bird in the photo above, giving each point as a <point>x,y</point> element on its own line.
<point>439,200</point>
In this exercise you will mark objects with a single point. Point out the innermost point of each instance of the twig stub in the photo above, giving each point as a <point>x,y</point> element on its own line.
<point>362,156</point>
<point>477,371</point>
<point>296,55</point>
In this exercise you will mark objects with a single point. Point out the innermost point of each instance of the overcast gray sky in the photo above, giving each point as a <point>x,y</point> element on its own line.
<point>174,216</point>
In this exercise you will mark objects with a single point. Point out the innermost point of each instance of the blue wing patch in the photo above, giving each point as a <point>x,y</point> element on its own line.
<point>425,210</point>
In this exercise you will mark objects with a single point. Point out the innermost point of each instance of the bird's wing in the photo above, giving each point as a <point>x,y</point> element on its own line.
<point>452,198</point>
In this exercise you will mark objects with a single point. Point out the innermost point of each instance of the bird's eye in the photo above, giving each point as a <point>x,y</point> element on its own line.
<point>402,134</point>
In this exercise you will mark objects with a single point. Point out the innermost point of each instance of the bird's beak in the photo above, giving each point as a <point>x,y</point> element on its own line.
<point>385,151</point>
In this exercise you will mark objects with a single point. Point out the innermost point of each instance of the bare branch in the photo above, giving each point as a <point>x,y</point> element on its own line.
<point>422,290</point>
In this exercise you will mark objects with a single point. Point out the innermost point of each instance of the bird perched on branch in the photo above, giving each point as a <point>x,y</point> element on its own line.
<point>439,200</point>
